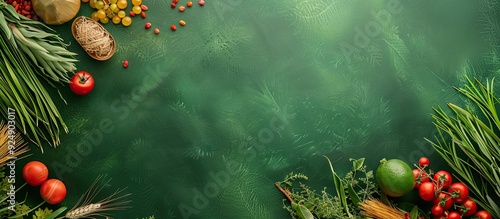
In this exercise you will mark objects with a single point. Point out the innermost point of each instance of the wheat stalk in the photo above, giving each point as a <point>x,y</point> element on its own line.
<point>88,209</point>
<point>16,140</point>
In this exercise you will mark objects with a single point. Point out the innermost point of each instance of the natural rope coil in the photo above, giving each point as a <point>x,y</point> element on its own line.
<point>94,39</point>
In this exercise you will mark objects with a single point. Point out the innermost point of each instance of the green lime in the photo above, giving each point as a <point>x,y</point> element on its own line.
<point>394,177</point>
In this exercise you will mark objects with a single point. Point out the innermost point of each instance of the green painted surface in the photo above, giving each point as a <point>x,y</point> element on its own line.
<point>266,87</point>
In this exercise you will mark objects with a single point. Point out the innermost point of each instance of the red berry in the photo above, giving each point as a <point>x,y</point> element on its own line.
<point>157,31</point>
<point>125,63</point>
<point>454,215</point>
<point>424,161</point>
<point>437,210</point>
<point>201,2</point>
<point>53,191</point>
<point>173,27</point>
<point>172,5</point>
<point>420,177</point>
<point>143,14</point>
<point>147,25</point>
<point>175,1</point>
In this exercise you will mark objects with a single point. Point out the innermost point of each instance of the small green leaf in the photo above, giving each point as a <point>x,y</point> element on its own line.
<point>56,213</point>
<point>358,164</point>
<point>493,205</point>
<point>408,207</point>
<point>352,194</point>
<point>22,209</point>
<point>384,199</point>
<point>302,211</point>
<point>414,213</point>
<point>42,213</point>
<point>339,188</point>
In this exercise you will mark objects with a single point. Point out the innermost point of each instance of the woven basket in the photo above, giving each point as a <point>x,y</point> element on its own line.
<point>99,36</point>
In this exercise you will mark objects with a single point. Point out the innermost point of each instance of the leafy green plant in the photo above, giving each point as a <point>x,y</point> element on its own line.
<point>356,186</point>
<point>468,141</point>
<point>31,50</point>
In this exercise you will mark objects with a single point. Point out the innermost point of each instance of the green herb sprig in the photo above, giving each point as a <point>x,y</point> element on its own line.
<point>355,187</point>
<point>468,141</point>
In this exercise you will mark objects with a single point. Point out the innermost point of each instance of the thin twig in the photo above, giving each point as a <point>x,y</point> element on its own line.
<point>285,192</point>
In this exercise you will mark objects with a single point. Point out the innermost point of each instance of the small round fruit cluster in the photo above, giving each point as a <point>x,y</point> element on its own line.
<point>114,10</point>
<point>53,191</point>
<point>23,7</point>
<point>450,199</point>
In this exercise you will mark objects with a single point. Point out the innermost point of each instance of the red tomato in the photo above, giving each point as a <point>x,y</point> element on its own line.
<point>454,215</point>
<point>420,177</point>
<point>471,207</point>
<point>82,83</point>
<point>443,179</point>
<point>424,161</point>
<point>459,192</point>
<point>427,191</point>
<point>443,199</point>
<point>437,210</point>
<point>35,173</point>
<point>482,214</point>
<point>53,191</point>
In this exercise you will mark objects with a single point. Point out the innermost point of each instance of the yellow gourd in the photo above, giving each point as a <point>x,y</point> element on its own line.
<point>55,12</point>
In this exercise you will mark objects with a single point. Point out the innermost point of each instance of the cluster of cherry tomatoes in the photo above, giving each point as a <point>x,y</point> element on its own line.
<point>53,191</point>
<point>450,199</point>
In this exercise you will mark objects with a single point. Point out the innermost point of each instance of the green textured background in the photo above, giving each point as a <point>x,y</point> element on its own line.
<point>212,93</point>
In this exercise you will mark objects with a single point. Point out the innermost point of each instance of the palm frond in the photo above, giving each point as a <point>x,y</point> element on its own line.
<point>491,31</point>
<point>398,52</point>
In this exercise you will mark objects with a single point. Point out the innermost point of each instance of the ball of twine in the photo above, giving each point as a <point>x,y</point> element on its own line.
<point>93,38</point>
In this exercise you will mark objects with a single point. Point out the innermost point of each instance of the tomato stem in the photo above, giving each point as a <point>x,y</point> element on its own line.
<point>83,79</point>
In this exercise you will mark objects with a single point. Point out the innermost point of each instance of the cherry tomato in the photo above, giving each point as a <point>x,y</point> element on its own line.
<point>459,192</point>
<point>437,210</point>
<point>444,200</point>
<point>53,191</point>
<point>35,173</point>
<point>471,207</point>
<point>82,83</point>
<point>454,215</point>
<point>482,214</point>
<point>424,161</point>
<point>443,179</point>
<point>420,177</point>
<point>427,191</point>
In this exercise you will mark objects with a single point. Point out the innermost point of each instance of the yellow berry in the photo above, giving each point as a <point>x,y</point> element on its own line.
<point>126,21</point>
<point>136,2</point>
<point>122,4</point>
<point>101,14</point>
<point>122,14</point>
<point>113,7</point>
<point>137,9</point>
<point>116,20</point>
<point>104,20</point>
<point>99,4</point>
<point>94,16</point>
